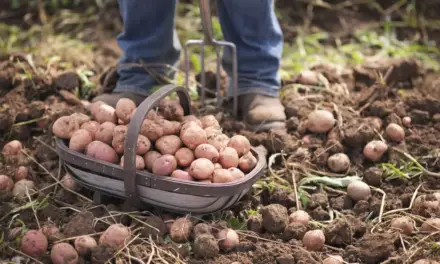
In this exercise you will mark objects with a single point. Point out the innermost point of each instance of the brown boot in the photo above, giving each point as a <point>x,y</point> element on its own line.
<point>262,113</point>
<point>112,98</point>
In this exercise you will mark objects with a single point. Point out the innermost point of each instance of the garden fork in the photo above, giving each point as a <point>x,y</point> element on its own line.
<point>208,40</point>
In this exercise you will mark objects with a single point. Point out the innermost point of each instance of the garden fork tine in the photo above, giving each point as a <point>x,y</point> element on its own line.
<point>208,40</point>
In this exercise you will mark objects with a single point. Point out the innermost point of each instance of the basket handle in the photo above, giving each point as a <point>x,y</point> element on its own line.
<point>134,128</point>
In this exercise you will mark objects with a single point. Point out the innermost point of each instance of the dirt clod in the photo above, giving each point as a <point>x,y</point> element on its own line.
<point>275,218</point>
<point>81,224</point>
<point>294,231</point>
<point>206,246</point>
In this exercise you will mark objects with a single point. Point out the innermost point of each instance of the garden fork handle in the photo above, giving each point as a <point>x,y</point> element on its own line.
<point>205,13</point>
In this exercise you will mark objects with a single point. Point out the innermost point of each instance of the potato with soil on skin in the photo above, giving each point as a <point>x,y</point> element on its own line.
<point>201,229</point>
<point>240,143</point>
<point>105,133</point>
<point>395,132</point>
<point>124,108</point>
<point>168,144</point>
<point>431,225</point>
<point>333,259</point>
<point>403,224</point>
<point>64,127</point>
<point>151,130</point>
<point>171,110</point>
<point>191,118</point>
<point>426,205</point>
<point>51,232</point>
<point>207,151</point>
<point>206,246</point>
<point>115,236</point>
<point>181,175</point>
<point>164,165</point>
<point>228,239</point>
<point>338,162</point>
<point>34,243</point>
<point>217,166</point>
<point>22,188</point>
<point>209,121</point>
<point>93,107</point>
<point>184,157</point>
<point>119,134</point>
<point>140,163</point>
<point>13,147</point>
<point>84,245</point>
<point>201,169</point>
<point>99,150</point>
<point>374,150</point>
<point>21,173</point>
<point>247,162</point>
<point>212,132</point>
<point>222,176</point>
<point>320,121</point>
<point>169,128</point>
<point>358,190</point>
<point>228,157</point>
<point>426,261</point>
<point>193,136</point>
<point>143,145</point>
<point>79,118</point>
<point>105,113</point>
<point>180,230</point>
<point>69,183</point>
<point>236,173</point>
<point>219,142</point>
<point>314,240</point>
<point>275,218</point>
<point>300,217</point>
<point>6,184</point>
<point>80,139</point>
<point>63,253</point>
<point>91,126</point>
<point>150,157</point>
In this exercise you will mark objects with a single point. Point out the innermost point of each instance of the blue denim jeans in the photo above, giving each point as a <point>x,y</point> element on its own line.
<point>149,37</point>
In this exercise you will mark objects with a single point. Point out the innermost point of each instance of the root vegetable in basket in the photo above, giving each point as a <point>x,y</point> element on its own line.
<point>320,121</point>
<point>164,165</point>
<point>169,144</point>
<point>79,118</point>
<point>171,110</point>
<point>124,109</point>
<point>115,236</point>
<point>374,150</point>
<point>184,157</point>
<point>207,151</point>
<point>192,118</point>
<point>168,127</point>
<point>64,127</point>
<point>180,230</point>
<point>247,162</point>
<point>182,175</point>
<point>209,121</point>
<point>140,163</point>
<point>222,176</point>
<point>118,142</point>
<point>236,173</point>
<point>228,157</point>
<point>34,243</point>
<point>63,253</point>
<point>13,147</point>
<point>105,113</point>
<point>219,141</point>
<point>201,169</point>
<point>212,132</point>
<point>217,166</point>
<point>150,157</point>
<point>240,143</point>
<point>151,130</point>
<point>105,133</point>
<point>84,245</point>
<point>99,150</point>
<point>91,126</point>
<point>193,136</point>
<point>143,145</point>
<point>80,139</point>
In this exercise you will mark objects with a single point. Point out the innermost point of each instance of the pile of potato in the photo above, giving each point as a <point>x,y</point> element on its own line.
<point>169,144</point>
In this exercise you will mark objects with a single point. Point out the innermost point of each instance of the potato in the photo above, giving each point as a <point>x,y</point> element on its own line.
<point>21,173</point>
<point>236,173</point>
<point>426,261</point>
<point>102,151</point>
<point>217,166</point>
<point>247,162</point>
<point>118,142</point>
<point>169,144</point>
<point>358,190</point>
<point>314,240</point>
<point>334,259</point>
<point>338,162</point>
<point>395,132</point>
<point>193,136</point>
<point>34,243</point>
<point>206,181</point>
<point>105,133</point>
<point>120,122</point>
<point>79,118</point>
<point>219,141</point>
<point>228,239</point>
<point>240,143</point>
<point>406,121</point>
<point>201,169</point>
<point>403,224</point>
<point>299,217</point>
<point>171,110</point>
<point>185,125</point>
<point>228,157</point>
<point>169,128</point>
<point>143,145</point>
<point>201,229</point>
<point>91,126</point>
<point>115,236</point>
<point>164,165</point>
<point>6,186</point>
<point>209,121</point>
<point>182,175</point>
<point>180,230</point>
<point>192,118</point>
<point>69,182</point>
<point>207,151</point>
<point>222,176</point>
<point>63,253</point>
<point>105,113</point>
<point>308,77</point>
<point>212,132</point>
<point>13,147</point>
<point>150,157</point>
<point>374,150</point>
<point>84,245</point>
<point>140,163</point>
<point>95,106</point>
<point>51,232</point>
<point>184,157</point>
<point>80,139</point>
<point>124,108</point>
<point>431,225</point>
<point>64,127</point>
<point>151,130</point>
<point>320,121</point>
<point>22,188</point>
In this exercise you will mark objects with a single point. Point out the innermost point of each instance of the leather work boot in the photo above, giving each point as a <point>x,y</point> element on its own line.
<point>261,112</point>
<point>112,98</point>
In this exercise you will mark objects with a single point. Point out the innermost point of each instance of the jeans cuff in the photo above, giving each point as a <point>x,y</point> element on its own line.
<point>144,91</point>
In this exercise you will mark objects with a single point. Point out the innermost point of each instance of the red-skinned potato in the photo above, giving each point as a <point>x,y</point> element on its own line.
<point>228,239</point>
<point>164,165</point>
<point>91,126</point>
<point>6,185</point>
<point>84,245</point>
<point>403,224</point>
<point>80,139</point>
<point>212,132</point>
<point>192,118</point>
<point>209,121</point>
<point>222,176</point>
<point>247,162</point>
<point>182,175</point>
<point>143,145</point>
<point>228,157</point>
<point>69,183</point>
<point>184,157</point>
<point>299,217</point>
<point>21,173</point>
<point>206,181</point>
<point>93,107</point>
<point>217,166</point>
<point>124,109</point>
<point>236,173</point>
<point>116,236</point>
<point>374,150</point>
<point>150,157</point>
<point>51,232</point>
<point>171,110</point>
<point>320,121</point>
<point>193,136</point>
<point>140,163</point>
<point>64,127</point>
<point>79,118</point>
<point>180,230</point>
<point>151,130</point>
<point>102,151</point>
<point>207,151</point>
<point>169,128</point>
<point>395,132</point>
<point>240,143</point>
<point>201,169</point>
<point>338,162</point>
<point>34,243</point>
<point>358,190</point>
<point>63,253</point>
<point>314,240</point>
<point>406,121</point>
<point>334,259</point>
<point>168,144</point>
<point>118,142</point>
<point>105,133</point>
<point>13,147</point>
<point>219,141</point>
<point>105,113</point>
